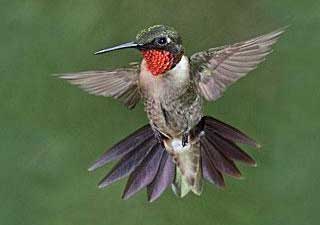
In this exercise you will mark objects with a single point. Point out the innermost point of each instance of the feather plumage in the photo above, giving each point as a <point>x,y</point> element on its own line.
<point>201,147</point>
<point>128,163</point>
<point>148,164</point>
<point>163,178</point>
<point>121,84</point>
<point>217,68</point>
<point>144,173</point>
<point>130,143</point>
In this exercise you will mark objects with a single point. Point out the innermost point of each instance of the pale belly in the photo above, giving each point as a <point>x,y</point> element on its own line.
<point>171,102</point>
<point>174,117</point>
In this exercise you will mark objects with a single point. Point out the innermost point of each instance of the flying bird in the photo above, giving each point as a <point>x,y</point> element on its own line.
<point>180,147</point>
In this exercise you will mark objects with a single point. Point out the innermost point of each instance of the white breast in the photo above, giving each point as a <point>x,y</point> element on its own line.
<point>163,84</point>
<point>176,145</point>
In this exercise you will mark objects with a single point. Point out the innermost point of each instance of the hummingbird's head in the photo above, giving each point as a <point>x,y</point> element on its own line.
<point>160,45</point>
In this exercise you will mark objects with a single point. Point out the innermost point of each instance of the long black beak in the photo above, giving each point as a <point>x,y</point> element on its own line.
<point>131,44</point>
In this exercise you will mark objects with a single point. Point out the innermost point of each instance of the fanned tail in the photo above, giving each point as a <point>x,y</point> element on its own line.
<point>219,150</point>
<point>143,159</point>
<point>147,163</point>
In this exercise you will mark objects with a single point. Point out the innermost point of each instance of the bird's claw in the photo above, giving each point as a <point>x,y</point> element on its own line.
<point>185,137</point>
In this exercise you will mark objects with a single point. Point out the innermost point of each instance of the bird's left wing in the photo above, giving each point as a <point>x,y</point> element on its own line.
<point>217,68</point>
<point>121,84</point>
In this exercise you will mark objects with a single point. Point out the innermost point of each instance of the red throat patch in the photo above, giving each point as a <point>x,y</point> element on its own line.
<point>158,61</point>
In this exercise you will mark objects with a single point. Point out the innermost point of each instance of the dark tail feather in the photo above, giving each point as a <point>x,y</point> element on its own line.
<point>144,173</point>
<point>163,178</point>
<point>125,146</point>
<point>222,163</point>
<point>209,172</point>
<point>147,163</point>
<point>127,164</point>
<point>231,150</point>
<point>143,159</point>
<point>218,150</point>
<point>228,132</point>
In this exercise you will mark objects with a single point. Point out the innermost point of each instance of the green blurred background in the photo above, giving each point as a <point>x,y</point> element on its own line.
<point>51,131</point>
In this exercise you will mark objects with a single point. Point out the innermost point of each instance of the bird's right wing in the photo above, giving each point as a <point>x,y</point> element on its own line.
<point>218,68</point>
<point>121,84</point>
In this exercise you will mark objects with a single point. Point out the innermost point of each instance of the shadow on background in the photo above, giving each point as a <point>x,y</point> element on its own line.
<point>51,132</point>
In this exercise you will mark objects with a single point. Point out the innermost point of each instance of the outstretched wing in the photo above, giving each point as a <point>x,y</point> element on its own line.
<point>217,68</point>
<point>121,84</point>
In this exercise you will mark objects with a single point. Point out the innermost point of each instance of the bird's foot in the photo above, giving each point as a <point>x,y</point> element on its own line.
<point>185,138</point>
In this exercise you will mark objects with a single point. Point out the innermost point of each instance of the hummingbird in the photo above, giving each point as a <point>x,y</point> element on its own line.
<point>180,147</point>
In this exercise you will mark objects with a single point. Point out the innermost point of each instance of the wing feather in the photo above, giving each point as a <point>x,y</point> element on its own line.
<point>121,84</point>
<point>218,68</point>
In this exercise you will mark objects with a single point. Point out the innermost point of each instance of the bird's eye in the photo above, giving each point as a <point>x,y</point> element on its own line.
<point>162,41</point>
